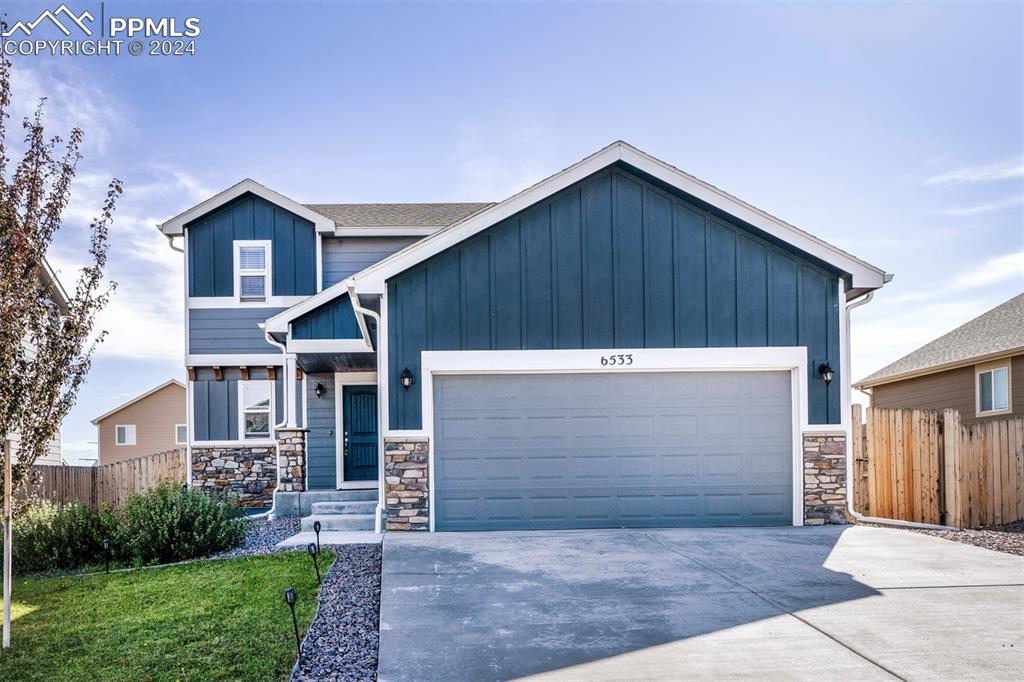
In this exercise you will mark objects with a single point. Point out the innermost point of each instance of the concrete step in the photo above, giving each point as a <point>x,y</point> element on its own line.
<point>339,522</point>
<point>360,507</point>
<point>354,495</point>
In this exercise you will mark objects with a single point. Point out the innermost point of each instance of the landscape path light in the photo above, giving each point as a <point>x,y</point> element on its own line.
<point>313,551</point>
<point>289,598</point>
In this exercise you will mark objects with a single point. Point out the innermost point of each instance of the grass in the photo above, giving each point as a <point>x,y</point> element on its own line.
<point>209,620</point>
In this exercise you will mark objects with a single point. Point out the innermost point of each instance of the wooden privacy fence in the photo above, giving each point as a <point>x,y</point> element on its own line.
<point>112,483</point>
<point>926,466</point>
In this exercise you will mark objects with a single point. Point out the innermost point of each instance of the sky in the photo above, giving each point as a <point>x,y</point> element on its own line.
<point>892,130</point>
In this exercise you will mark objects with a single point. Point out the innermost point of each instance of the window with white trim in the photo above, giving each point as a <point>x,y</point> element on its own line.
<point>255,406</point>
<point>252,271</point>
<point>124,434</point>
<point>180,434</point>
<point>994,390</point>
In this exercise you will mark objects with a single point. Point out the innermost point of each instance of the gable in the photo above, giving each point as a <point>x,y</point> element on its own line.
<point>614,261</point>
<point>333,320</point>
<point>211,251</point>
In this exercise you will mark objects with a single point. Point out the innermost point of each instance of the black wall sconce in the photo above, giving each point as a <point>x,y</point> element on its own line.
<point>826,372</point>
<point>319,389</point>
<point>406,378</point>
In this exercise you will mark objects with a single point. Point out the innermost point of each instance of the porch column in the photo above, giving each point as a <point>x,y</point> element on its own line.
<point>291,391</point>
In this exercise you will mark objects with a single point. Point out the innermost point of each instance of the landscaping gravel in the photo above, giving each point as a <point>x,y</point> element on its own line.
<point>262,537</point>
<point>1007,538</point>
<point>342,640</point>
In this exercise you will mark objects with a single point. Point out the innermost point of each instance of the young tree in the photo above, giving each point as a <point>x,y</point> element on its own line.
<point>45,353</point>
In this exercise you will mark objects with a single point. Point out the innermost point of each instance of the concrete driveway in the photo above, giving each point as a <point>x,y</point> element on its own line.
<point>824,603</point>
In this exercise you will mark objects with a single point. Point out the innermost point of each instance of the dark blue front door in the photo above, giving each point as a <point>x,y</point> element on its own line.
<point>359,412</point>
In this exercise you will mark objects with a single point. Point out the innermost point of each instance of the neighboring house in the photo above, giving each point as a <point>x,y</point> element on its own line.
<point>976,369</point>
<point>153,422</point>
<point>60,300</point>
<point>621,344</point>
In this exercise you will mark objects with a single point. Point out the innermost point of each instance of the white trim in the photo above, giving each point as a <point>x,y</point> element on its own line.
<point>341,380</point>
<point>136,399</point>
<point>266,273</point>
<point>992,367</point>
<point>271,412</point>
<point>386,231</point>
<point>201,302</point>
<point>176,224</point>
<point>129,432</point>
<point>251,443</point>
<point>789,358</point>
<point>327,346</point>
<point>319,263</point>
<point>863,274</point>
<point>180,442</point>
<point>234,360</point>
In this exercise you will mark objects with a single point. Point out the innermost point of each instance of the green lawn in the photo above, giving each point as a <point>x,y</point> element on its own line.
<point>211,620</point>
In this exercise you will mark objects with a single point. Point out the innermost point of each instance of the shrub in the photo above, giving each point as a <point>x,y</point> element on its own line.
<point>169,523</point>
<point>48,537</point>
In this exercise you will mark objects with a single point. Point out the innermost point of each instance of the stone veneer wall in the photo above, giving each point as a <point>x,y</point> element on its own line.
<point>825,487</point>
<point>291,459</point>
<point>248,472</point>
<point>406,484</point>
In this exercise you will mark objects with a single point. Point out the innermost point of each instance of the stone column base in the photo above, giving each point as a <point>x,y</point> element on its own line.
<point>406,484</point>
<point>825,487</point>
<point>291,459</point>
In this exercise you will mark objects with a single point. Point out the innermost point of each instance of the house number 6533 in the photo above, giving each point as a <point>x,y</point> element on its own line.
<point>609,360</point>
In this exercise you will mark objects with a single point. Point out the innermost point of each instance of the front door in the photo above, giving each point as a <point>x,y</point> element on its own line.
<point>359,432</point>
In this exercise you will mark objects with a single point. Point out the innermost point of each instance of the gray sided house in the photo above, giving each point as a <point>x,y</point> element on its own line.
<point>620,345</point>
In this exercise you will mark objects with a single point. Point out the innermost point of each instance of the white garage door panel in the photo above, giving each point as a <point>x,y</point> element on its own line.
<point>609,450</point>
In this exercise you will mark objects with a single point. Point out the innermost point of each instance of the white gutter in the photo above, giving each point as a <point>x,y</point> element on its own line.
<point>284,414</point>
<point>360,311</point>
<point>850,479</point>
<point>170,242</point>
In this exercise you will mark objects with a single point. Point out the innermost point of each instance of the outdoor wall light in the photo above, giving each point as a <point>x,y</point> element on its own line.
<point>319,389</point>
<point>406,378</point>
<point>313,551</point>
<point>289,599</point>
<point>825,370</point>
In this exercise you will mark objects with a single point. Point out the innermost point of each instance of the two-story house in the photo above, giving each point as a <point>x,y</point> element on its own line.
<point>619,345</point>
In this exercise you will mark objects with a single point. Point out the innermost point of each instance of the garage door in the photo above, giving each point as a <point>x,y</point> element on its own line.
<point>644,450</point>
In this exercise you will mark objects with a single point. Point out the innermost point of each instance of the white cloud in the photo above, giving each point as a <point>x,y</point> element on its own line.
<point>993,271</point>
<point>982,208</point>
<point>1005,170</point>
<point>499,160</point>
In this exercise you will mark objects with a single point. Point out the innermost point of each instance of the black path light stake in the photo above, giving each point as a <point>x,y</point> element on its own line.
<point>106,554</point>
<point>289,599</point>
<point>316,529</point>
<point>313,551</point>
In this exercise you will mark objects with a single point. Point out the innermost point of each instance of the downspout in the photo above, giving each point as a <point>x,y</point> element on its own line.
<point>284,413</point>
<point>850,480</point>
<point>360,311</point>
<point>170,242</point>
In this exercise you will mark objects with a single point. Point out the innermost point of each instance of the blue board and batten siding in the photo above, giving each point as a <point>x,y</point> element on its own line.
<point>229,330</point>
<point>613,262</point>
<point>333,320</point>
<point>321,441</point>
<point>345,256</point>
<point>215,402</point>
<point>211,254</point>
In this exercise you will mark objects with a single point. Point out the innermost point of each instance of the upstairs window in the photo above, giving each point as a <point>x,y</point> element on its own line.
<point>994,390</point>
<point>255,402</point>
<point>124,434</point>
<point>252,271</point>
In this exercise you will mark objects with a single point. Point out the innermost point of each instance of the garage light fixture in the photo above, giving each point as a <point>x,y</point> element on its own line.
<point>318,389</point>
<point>406,378</point>
<point>825,370</point>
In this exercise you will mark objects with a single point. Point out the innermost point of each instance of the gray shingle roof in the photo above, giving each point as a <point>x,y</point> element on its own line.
<point>396,215</point>
<point>1000,329</point>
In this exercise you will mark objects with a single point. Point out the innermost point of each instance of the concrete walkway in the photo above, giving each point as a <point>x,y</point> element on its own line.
<point>826,603</point>
<point>332,537</point>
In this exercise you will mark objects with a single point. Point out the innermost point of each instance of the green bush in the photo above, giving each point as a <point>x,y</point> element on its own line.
<point>163,525</point>
<point>48,537</point>
<point>169,523</point>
